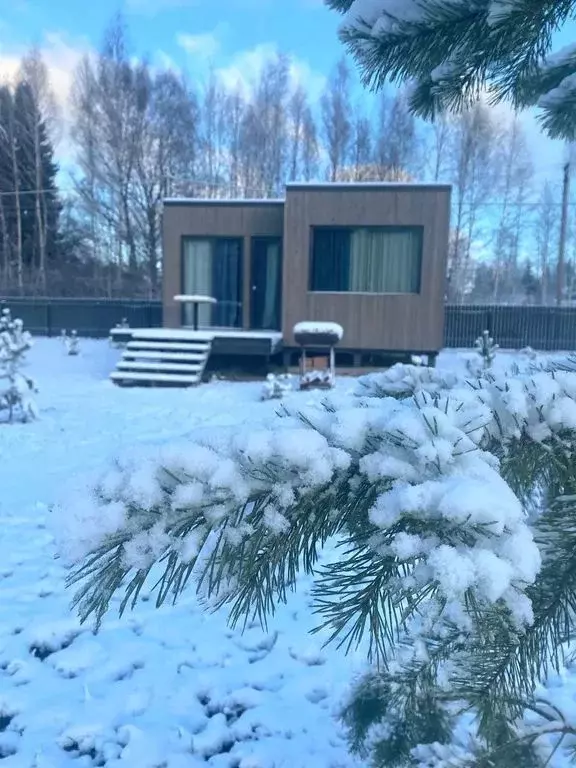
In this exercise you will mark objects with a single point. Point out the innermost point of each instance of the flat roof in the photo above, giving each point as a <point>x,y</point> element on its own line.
<point>303,185</point>
<point>365,185</point>
<point>222,201</point>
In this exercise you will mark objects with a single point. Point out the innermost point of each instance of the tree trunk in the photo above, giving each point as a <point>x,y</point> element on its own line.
<point>18,210</point>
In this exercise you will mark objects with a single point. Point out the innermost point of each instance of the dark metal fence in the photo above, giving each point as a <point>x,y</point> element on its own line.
<point>513,327</point>
<point>88,317</point>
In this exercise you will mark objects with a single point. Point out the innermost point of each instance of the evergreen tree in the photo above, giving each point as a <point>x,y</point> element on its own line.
<point>40,204</point>
<point>454,50</point>
<point>7,186</point>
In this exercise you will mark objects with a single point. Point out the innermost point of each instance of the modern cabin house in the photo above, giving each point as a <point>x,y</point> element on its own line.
<point>370,257</point>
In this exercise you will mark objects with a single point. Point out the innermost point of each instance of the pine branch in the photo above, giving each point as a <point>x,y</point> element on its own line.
<point>454,51</point>
<point>501,672</point>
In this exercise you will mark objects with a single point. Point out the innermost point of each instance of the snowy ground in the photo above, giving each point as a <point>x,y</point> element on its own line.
<point>168,688</point>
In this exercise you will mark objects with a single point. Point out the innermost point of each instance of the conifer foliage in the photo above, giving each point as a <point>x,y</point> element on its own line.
<point>454,49</point>
<point>452,503</point>
<point>15,387</point>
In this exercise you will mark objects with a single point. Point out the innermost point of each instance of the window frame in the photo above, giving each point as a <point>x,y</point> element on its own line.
<point>370,227</point>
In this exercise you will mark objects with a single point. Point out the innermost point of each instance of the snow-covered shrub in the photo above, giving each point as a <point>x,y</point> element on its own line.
<point>465,598</point>
<point>402,380</point>
<point>529,353</point>
<point>276,386</point>
<point>16,389</point>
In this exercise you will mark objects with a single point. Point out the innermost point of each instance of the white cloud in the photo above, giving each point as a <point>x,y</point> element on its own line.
<point>61,56</point>
<point>156,6</point>
<point>244,67</point>
<point>205,45</point>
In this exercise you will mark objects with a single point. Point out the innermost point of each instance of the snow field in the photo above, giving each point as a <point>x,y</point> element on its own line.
<point>173,687</point>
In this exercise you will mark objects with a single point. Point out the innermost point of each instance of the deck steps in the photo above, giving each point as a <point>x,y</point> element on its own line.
<point>172,346</point>
<point>161,354</point>
<point>127,378</point>
<point>170,359</point>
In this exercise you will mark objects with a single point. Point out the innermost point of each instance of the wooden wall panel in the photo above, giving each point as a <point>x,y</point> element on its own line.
<point>372,322</point>
<point>205,218</point>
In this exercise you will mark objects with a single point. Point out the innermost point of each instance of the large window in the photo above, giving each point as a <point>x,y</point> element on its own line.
<point>366,259</point>
<point>213,267</point>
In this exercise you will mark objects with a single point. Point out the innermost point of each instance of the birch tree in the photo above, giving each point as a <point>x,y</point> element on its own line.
<point>397,142</point>
<point>336,110</point>
<point>546,234</point>
<point>474,175</point>
<point>516,173</point>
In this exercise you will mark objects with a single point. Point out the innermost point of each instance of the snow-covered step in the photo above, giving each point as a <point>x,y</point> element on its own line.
<point>167,357</point>
<point>193,357</point>
<point>173,346</point>
<point>133,365</point>
<point>172,334</point>
<point>182,379</point>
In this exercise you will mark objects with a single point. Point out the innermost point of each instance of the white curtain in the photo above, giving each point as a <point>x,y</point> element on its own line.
<point>385,261</point>
<point>197,274</point>
<point>272,279</point>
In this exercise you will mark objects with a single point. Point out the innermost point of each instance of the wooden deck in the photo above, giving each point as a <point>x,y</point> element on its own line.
<point>179,357</point>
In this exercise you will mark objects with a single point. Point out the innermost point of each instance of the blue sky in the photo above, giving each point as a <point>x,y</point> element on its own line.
<point>231,35</point>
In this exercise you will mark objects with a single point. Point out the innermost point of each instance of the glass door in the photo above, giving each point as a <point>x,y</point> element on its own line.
<point>266,287</point>
<point>213,267</point>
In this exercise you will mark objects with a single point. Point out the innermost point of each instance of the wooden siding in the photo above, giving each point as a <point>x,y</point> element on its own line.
<point>409,322</point>
<point>243,219</point>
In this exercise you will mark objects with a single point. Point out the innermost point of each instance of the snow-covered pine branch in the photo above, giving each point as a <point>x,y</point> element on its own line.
<point>452,50</point>
<point>16,388</point>
<point>425,478</point>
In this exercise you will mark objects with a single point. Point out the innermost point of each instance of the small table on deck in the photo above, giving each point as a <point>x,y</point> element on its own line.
<point>195,301</point>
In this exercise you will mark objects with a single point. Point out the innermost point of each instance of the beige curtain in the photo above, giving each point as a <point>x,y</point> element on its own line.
<point>385,261</point>
<point>272,279</point>
<point>198,278</point>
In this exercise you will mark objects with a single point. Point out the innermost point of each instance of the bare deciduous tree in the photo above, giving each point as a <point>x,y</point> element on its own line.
<point>474,174</point>
<point>516,173</point>
<point>336,123</point>
<point>546,234</point>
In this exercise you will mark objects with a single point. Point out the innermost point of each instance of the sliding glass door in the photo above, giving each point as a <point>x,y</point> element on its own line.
<point>266,293</point>
<point>213,267</point>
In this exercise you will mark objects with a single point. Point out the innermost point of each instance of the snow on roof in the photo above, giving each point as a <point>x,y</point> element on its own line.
<point>363,184</point>
<point>223,201</point>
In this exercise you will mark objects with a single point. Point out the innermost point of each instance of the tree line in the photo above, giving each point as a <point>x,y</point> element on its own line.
<point>139,134</point>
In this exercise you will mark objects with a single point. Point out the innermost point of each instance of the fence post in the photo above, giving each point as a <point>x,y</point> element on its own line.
<point>48,319</point>
<point>489,323</point>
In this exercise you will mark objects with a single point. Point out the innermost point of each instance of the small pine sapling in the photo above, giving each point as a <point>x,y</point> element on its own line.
<point>276,386</point>
<point>73,344</point>
<point>486,348</point>
<point>15,387</point>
